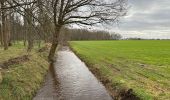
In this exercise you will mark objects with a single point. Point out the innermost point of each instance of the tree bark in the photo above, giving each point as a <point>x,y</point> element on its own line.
<point>30,44</point>
<point>30,39</point>
<point>4,32</point>
<point>1,35</point>
<point>28,23</point>
<point>55,43</point>
<point>4,27</point>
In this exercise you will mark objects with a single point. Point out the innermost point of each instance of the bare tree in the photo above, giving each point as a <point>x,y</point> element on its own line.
<point>7,8</point>
<point>70,12</point>
<point>1,35</point>
<point>28,23</point>
<point>5,31</point>
<point>84,12</point>
<point>67,34</point>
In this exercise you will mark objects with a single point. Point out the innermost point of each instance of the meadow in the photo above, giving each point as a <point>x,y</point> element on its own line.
<point>140,65</point>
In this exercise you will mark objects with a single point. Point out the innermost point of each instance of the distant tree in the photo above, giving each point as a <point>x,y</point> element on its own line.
<point>116,36</point>
<point>5,25</point>
<point>84,34</point>
<point>6,9</point>
<point>135,38</point>
<point>28,23</point>
<point>1,35</point>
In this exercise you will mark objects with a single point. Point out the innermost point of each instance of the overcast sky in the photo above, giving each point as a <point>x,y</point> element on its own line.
<point>146,19</point>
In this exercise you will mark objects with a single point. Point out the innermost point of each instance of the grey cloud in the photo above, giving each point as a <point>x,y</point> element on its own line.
<point>147,15</point>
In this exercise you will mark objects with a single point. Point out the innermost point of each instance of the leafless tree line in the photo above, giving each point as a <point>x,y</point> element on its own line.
<point>84,34</point>
<point>47,17</point>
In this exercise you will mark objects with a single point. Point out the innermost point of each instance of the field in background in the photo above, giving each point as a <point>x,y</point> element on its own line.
<point>143,66</point>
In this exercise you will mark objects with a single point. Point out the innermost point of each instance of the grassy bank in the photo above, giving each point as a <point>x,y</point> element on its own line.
<point>143,66</point>
<point>21,81</point>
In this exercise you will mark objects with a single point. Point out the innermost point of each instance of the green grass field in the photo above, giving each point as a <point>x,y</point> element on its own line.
<point>143,66</point>
<point>21,81</point>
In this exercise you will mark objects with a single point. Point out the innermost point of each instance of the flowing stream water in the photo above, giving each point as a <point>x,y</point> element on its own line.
<point>75,81</point>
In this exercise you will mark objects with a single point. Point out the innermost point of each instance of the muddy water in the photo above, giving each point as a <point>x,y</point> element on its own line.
<point>74,81</point>
<point>49,91</point>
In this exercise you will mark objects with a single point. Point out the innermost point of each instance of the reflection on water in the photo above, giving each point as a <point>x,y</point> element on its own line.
<point>70,79</point>
<point>76,81</point>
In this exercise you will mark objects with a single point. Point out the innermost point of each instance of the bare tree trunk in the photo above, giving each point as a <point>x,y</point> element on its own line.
<point>30,39</point>
<point>30,45</point>
<point>25,39</point>
<point>4,28</point>
<point>25,31</point>
<point>8,31</point>
<point>1,35</point>
<point>30,35</point>
<point>55,43</point>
